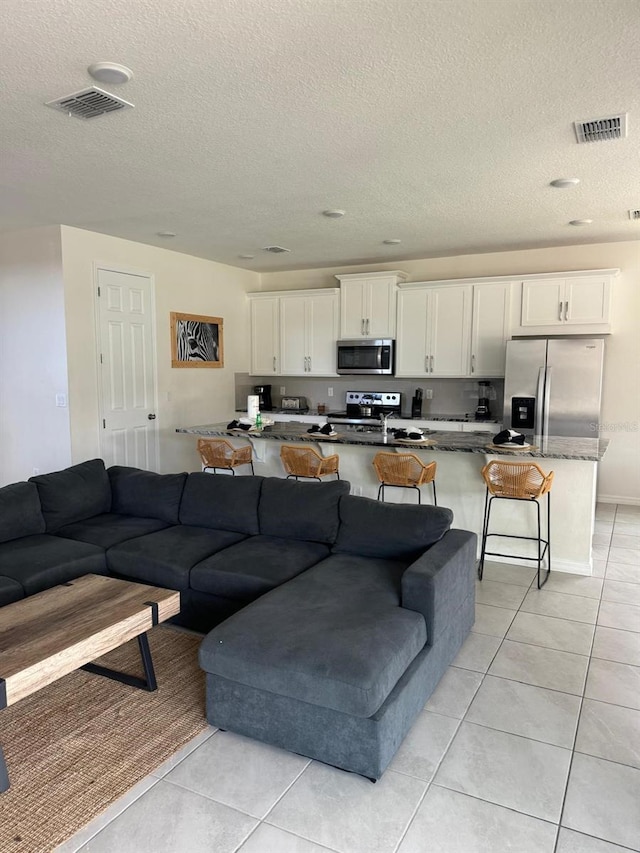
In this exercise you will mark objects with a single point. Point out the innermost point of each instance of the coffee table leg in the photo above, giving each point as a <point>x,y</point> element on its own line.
<point>147,683</point>
<point>4,774</point>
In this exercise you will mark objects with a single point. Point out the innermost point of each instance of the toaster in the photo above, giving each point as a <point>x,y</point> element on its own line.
<point>294,404</point>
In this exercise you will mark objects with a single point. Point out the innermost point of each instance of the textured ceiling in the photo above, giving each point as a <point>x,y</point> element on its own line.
<point>437,122</point>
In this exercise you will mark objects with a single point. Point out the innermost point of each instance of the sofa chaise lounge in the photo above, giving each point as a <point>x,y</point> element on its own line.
<point>331,618</point>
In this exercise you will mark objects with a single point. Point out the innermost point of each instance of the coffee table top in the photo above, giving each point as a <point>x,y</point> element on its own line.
<point>52,633</point>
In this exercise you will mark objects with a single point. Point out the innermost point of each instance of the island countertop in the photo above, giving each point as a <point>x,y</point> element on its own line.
<point>479,441</point>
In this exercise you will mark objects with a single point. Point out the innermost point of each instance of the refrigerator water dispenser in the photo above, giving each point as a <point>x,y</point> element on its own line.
<point>523,412</point>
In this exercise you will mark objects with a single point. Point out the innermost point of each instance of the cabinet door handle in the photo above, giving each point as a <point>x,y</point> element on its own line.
<point>473,363</point>
<point>274,364</point>
<point>431,361</point>
<point>566,310</point>
<point>309,363</point>
<point>367,326</point>
<point>305,364</point>
<point>426,364</point>
<point>560,312</point>
<point>362,327</point>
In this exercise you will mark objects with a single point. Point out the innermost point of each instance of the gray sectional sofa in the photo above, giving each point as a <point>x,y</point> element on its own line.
<point>330,618</point>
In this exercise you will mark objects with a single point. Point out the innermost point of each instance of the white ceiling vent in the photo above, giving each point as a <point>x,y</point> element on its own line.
<point>275,249</point>
<point>88,103</point>
<point>601,129</point>
<point>635,215</point>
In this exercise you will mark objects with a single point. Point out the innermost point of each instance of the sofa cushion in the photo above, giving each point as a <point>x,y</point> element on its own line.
<point>165,558</point>
<point>294,510</point>
<point>10,591</point>
<point>20,513</point>
<point>110,529</point>
<point>394,531</point>
<point>71,495</point>
<point>334,636</point>
<point>146,494</point>
<point>222,502</point>
<point>39,562</point>
<point>255,566</point>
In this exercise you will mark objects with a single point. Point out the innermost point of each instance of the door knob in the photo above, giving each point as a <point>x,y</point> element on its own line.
<point>151,417</point>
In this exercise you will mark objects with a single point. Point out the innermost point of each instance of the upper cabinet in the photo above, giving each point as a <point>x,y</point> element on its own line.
<point>434,331</point>
<point>489,329</point>
<point>572,304</point>
<point>293,333</point>
<point>264,313</point>
<point>368,304</point>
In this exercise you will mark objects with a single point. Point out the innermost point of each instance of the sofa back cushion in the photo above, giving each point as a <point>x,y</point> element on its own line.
<point>392,531</point>
<point>74,494</point>
<point>20,513</point>
<point>294,510</point>
<point>145,494</point>
<point>222,502</point>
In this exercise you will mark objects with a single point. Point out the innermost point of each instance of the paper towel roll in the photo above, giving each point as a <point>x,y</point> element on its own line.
<point>253,406</point>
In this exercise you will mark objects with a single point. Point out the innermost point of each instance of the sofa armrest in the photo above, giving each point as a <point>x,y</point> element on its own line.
<point>439,581</point>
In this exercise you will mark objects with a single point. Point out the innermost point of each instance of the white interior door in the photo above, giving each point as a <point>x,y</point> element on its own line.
<point>129,431</point>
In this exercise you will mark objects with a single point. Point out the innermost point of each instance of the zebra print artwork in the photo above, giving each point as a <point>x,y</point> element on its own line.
<point>196,341</point>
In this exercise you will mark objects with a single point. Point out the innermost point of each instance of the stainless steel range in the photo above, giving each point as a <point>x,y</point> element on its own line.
<point>367,407</point>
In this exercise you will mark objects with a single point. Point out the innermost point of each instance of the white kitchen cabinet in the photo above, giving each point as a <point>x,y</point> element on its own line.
<point>264,314</point>
<point>489,329</point>
<point>563,302</point>
<point>434,331</point>
<point>308,333</point>
<point>368,304</point>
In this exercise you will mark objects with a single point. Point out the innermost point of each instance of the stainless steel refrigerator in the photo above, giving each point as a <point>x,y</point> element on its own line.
<point>553,386</point>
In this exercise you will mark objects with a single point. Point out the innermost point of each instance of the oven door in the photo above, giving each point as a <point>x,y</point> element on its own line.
<point>365,357</point>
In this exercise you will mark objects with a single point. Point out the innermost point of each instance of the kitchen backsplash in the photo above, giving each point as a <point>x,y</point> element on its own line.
<point>450,396</point>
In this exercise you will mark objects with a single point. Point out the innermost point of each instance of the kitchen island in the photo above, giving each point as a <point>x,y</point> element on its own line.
<point>460,457</point>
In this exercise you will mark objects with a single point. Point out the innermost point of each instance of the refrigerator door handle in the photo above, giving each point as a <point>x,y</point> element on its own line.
<point>540,402</point>
<point>547,401</point>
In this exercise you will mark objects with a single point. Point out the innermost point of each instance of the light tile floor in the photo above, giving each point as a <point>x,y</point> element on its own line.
<point>529,744</point>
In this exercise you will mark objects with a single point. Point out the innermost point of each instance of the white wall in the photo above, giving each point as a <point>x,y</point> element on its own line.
<point>182,283</point>
<point>34,432</point>
<point>619,478</point>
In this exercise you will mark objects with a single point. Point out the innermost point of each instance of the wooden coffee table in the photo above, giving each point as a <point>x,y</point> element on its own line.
<point>55,632</point>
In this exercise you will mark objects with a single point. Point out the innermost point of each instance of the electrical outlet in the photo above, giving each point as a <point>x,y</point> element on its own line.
<point>283,390</point>
<point>329,392</point>
<point>428,394</point>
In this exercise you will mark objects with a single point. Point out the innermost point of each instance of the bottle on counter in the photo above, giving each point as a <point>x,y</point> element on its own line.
<point>258,420</point>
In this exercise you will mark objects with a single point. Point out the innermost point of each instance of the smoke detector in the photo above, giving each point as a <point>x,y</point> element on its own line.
<point>275,249</point>
<point>601,129</point>
<point>89,103</point>
<point>110,72</point>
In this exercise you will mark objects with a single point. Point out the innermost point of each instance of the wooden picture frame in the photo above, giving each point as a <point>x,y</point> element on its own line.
<point>196,340</point>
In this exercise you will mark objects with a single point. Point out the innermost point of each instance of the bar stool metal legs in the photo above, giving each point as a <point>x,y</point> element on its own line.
<point>518,481</point>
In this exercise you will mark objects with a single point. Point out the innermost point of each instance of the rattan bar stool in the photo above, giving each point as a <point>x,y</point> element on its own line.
<point>302,461</point>
<point>404,470</point>
<point>219,454</point>
<point>517,481</point>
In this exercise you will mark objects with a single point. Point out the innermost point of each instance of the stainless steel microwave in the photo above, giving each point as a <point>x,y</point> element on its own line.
<point>359,357</point>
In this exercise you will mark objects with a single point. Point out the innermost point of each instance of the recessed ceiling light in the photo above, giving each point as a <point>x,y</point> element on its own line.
<point>333,213</point>
<point>246,257</point>
<point>165,233</point>
<point>581,222</point>
<point>393,242</point>
<point>564,183</point>
<point>110,72</point>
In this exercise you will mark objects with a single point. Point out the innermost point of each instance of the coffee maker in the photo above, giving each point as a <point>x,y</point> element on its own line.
<point>484,395</point>
<point>264,397</point>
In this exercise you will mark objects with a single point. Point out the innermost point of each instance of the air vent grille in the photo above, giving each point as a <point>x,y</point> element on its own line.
<point>635,215</point>
<point>88,103</point>
<point>601,129</point>
<point>276,249</point>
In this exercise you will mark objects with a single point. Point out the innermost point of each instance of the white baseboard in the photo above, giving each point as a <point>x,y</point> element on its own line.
<point>618,499</point>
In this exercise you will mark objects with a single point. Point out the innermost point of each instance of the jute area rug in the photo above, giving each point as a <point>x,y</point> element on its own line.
<point>79,744</point>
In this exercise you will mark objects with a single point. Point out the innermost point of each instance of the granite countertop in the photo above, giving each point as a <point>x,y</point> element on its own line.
<point>466,418</point>
<point>553,447</point>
